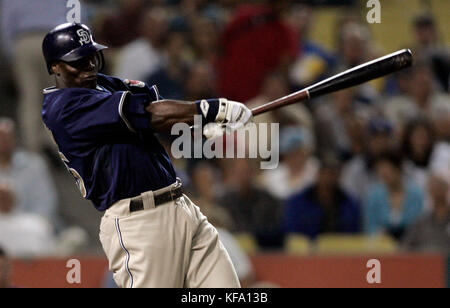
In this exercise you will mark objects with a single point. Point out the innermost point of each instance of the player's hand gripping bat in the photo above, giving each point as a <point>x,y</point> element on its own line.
<point>365,72</point>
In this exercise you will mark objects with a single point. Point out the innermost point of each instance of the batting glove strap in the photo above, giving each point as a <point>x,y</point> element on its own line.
<point>208,109</point>
<point>223,111</point>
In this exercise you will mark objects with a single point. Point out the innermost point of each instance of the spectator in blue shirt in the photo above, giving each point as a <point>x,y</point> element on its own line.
<point>323,207</point>
<point>393,203</point>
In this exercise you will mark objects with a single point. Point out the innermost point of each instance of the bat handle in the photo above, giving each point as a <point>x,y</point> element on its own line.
<point>281,102</point>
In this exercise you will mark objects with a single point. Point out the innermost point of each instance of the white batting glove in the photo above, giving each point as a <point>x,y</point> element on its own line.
<point>233,113</point>
<point>231,116</point>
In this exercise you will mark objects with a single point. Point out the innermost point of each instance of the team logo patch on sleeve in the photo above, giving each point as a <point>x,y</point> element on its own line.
<point>134,83</point>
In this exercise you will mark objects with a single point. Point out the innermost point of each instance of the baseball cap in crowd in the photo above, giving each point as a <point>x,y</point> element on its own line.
<point>294,137</point>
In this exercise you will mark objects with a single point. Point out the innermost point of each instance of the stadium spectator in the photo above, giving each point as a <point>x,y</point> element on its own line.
<point>354,43</point>
<point>419,99</point>
<point>417,147</point>
<point>393,203</point>
<point>440,161</point>
<point>23,234</point>
<point>123,25</point>
<point>428,47</point>
<point>170,76</point>
<point>28,174</point>
<point>440,119</point>
<point>355,46</point>
<point>358,174</point>
<point>142,57</point>
<point>204,189</point>
<point>204,40</point>
<point>276,85</point>
<point>253,210</point>
<point>431,233</point>
<point>255,42</point>
<point>335,118</point>
<point>23,25</point>
<point>313,62</point>
<point>199,81</point>
<point>5,268</point>
<point>298,168</point>
<point>323,207</point>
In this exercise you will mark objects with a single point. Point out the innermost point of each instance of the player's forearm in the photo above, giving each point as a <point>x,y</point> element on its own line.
<point>166,113</point>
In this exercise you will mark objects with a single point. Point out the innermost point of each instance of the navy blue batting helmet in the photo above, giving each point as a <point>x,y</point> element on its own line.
<point>69,42</point>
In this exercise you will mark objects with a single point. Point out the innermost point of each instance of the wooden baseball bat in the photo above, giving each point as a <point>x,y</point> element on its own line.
<point>355,76</point>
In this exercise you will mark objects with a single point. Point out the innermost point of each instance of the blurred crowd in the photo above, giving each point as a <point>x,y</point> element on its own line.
<point>373,159</point>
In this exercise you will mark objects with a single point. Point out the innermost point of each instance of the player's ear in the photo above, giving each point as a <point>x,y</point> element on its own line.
<point>56,69</point>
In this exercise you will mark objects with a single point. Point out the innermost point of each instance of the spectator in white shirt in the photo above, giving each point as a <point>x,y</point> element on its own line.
<point>142,57</point>
<point>298,168</point>
<point>23,234</point>
<point>28,175</point>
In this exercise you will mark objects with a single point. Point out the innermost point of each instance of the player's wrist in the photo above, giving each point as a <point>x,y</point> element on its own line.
<point>212,110</point>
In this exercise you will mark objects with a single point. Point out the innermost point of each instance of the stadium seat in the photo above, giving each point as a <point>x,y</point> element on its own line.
<point>297,244</point>
<point>353,244</point>
<point>247,242</point>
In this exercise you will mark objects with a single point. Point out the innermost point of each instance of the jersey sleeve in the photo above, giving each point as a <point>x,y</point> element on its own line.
<point>91,114</point>
<point>134,109</point>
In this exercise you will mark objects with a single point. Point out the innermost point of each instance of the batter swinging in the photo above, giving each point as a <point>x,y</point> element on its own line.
<point>152,234</point>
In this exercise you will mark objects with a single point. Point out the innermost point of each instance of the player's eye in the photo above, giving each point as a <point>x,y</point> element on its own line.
<point>85,63</point>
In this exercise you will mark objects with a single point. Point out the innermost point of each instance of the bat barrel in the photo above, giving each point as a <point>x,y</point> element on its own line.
<point>372,70</point>
<point>365,72</point>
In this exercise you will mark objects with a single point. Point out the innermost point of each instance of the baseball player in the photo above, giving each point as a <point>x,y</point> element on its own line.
<point>152,234</point>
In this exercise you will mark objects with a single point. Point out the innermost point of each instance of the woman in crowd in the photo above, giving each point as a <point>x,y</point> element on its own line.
<point>393,203</point>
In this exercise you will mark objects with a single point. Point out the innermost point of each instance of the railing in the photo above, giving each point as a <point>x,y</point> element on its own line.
<point>291,271</point>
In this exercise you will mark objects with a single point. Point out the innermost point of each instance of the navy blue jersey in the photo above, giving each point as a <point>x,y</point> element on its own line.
<point>106,140</point>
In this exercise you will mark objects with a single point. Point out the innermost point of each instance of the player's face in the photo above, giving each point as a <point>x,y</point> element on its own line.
<point>78,74</point>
